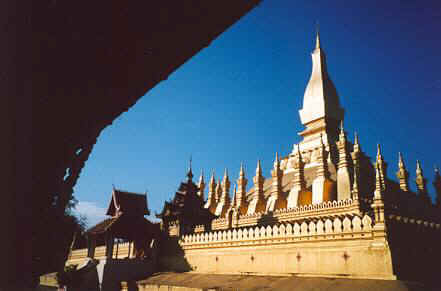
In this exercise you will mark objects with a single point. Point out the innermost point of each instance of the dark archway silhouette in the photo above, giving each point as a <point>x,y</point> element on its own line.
<point>78,67</point>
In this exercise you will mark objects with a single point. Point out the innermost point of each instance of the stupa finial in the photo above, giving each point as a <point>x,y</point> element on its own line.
<point>400,161</point>
<point>242,171</point>
<point>212,179</point>
<point>226,174</point>
<point>276,161</point>
<point>419,171</point>
<point>402,173</point>
<point>317,39</point>
<point>201,177</point>
<point>258,169</point>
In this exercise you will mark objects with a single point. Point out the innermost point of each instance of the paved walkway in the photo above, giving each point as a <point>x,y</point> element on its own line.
<point>254,283</point>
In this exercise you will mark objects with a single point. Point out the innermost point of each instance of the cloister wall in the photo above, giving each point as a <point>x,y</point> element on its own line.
<point>333,247</point>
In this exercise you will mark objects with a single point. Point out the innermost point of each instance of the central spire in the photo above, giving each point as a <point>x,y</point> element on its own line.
<point>321,107</point>
<point>317,40</point>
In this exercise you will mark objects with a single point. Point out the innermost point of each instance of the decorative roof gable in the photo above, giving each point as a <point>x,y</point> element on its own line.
<point>128,203</point>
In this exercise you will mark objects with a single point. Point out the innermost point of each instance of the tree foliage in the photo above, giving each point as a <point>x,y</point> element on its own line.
<point>56,232</point>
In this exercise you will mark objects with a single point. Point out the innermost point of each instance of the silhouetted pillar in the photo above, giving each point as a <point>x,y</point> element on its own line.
<point>109,246</point>
<point>91,245</point>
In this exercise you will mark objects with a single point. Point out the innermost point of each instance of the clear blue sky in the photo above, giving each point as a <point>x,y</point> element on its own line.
<point>238,99</point>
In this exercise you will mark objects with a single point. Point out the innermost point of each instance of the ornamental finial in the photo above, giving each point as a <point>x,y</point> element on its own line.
<point>379,156</point>
<point>276,161</point>
<point>242,171</point>
<point>190,172</point>
<point>212,179</point>
<point>317,38</point>
<point>226,174</point>
<point>419,171</point>
<point>378,186</point>
<point>258,169</point>
<point>201,177</point>
<point>401,161</point>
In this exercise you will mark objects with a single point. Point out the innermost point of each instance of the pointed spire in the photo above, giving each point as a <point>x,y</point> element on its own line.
<point>378,204</point>
<point>342,140</point>
<point>190,172</point>
<point>212,195</point>
<point>201,177</point>
<point>356,152</point>
<point>355,186</point>
<point>402,173</point>
<point>241,173</point>
<point>342,135</point>
<point>115,203</point>
<point>320,101</point>
<point>419,171</point>
<point>298,181</point>
<point>226,174</point>
<point>420,180</point>
<point>258,181</point>
<point>201,185</point>
<point>299,161</point>
<point>218,190</point>
<point>357,148</point>
<point>299,176</point>
<point>277,172</point>
<point>299,155</point>
<point>241,191</point>
<point>343,175</point>
<point>277,162</point>
<point>401,161</point>
<point>223,192</point>
<point>234,202</point>
<point>225,186</point>
<point>212,179</point>
<point>378,185</point>
<point>382,166</point>
<point>322,167</point>
<point>356,139</point>
<point>317,38</point>
<point>258,169</point>
<point>379,152</point>
<point>276,201</point>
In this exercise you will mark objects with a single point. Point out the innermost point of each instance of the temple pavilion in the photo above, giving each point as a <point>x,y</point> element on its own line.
<point>186,210</point>
<point>126,223</point>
